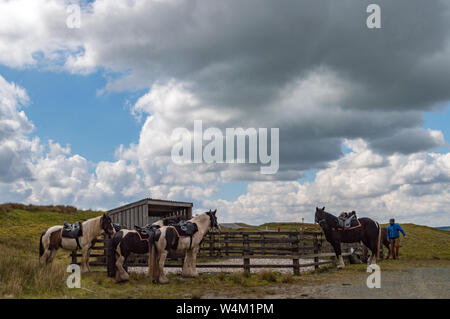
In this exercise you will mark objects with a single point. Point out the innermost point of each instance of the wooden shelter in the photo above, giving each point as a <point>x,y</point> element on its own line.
<point>149,210</point>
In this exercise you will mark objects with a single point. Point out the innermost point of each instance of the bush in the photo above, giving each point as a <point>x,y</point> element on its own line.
<point>267,275</point>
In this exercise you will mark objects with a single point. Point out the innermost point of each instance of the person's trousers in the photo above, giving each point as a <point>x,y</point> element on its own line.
<point>395,244</point>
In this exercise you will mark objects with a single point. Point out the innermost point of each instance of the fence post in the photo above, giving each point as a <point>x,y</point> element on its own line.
<point>263,244</point>
<point>295,260</point>
<point>74,256</point>
<point>316,252</point>
<point>246,253</point>
<point>226,244</point>
<point>211,244</point>
<point>105,249</point>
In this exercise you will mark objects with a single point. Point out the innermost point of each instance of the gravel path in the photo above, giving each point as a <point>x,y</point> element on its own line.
<point>429,283</point>
<point>412,283</point>
<point>238,261</point>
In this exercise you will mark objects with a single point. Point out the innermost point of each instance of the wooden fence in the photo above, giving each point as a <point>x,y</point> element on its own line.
<point>302,245</point>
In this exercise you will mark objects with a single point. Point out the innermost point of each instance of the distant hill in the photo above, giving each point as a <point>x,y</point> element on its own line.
<point>444,228</point>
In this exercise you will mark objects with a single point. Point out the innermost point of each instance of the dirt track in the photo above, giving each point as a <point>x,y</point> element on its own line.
<point>425,283</point>
<point>411,283</point>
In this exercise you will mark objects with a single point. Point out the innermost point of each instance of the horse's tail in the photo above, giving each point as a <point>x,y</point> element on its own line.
<point>111,260</point>
<point>379,239</point>
<point>41,245</point>
<point>153,267</point>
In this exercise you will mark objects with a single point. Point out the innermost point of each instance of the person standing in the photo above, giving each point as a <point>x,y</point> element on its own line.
<point>393,236</point>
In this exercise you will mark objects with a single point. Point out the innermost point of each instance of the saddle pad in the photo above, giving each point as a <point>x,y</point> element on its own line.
<point>72,231</point>
<point>186,228</point>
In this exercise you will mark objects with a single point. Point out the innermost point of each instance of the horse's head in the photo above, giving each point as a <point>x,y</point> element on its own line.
<point>320,214</point>
<point>107,225</point>
<point>324,219</point>
<point>213,219</point>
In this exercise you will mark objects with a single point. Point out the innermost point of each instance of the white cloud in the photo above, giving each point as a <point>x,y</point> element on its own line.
<point>237,64</point>
<point>33,32</point>
<point>412,188</point>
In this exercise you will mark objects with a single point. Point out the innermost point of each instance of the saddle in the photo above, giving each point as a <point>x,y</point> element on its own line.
<point>348,220</point>
<point>72,231</point>
<point>186,228</point>
<point>144,232</point>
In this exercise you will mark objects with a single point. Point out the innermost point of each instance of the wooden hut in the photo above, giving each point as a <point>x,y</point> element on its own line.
<point>149,210</point>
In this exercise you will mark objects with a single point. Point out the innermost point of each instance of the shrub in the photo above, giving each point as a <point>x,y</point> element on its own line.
<point>267,275</point>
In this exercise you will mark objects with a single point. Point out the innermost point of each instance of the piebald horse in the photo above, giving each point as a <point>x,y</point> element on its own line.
<point>51,240</point>
<point>165,241</point>
<point>127,241</point>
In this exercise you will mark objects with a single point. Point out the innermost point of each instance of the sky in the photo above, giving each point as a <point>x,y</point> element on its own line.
<point>87,114</point>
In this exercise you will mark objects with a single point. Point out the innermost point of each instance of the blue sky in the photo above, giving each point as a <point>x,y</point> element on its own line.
<point>314,70</point>
<point>69,109</point>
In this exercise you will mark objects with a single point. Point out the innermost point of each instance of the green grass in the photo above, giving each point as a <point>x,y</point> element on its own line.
<point>424,242</point>
<point>21,276</point>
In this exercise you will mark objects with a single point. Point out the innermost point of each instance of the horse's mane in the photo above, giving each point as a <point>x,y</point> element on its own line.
<point>330,218</point>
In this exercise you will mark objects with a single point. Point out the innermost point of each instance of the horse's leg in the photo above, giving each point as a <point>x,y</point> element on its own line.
<point>189,269</point>
<point>51,256</point>
<point>389,251</point>
<point>45,257</point>
<point>85,259</point>
<point>121,275</point>
<point>194,261</point>
<point>337,250</point>
<point>186,272</point>
<point>397,247</point>
<point>88,253</point>
<point>373,249</point>
<point>162,279</point>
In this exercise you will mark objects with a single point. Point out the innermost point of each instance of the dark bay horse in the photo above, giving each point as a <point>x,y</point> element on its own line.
<point>368,233</point>
<point>383,242</point>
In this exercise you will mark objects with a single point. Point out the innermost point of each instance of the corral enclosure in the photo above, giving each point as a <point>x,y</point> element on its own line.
<point>149,210</point>
<point>302,248</point>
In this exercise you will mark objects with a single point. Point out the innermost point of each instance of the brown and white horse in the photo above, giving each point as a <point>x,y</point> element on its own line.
<point>165,241</point>
<point>51,240</point>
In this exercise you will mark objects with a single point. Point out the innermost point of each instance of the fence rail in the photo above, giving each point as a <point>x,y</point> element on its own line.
<point>295,245</point>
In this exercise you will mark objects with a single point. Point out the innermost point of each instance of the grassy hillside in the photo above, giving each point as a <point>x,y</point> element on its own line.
<point>22,276</point>
<point>423,242</point>
<point>20,230</point>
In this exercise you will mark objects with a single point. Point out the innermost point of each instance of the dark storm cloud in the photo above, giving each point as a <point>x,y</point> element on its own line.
<point>242,52</point>
<point>243,55</point>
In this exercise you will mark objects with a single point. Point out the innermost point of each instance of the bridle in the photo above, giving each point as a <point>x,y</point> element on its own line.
<point>110,223</point>
<point>213,220</point>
